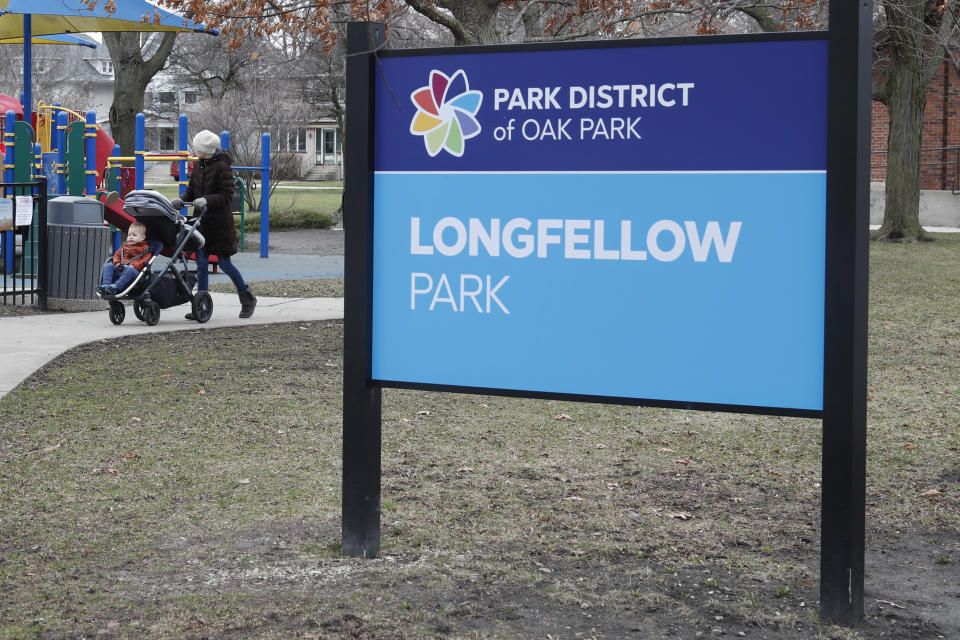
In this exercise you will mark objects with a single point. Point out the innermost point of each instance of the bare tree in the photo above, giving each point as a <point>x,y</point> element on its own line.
<point>913,38</point>
<point>210,67</point>
<point>136,59</point>
<point>56,69</point>
<point>247,115</point>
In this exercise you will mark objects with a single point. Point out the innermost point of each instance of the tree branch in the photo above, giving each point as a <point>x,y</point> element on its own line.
<point>762,17</point>
<point>429,10</point>
<point>159,58</point>
<point>948,22</point>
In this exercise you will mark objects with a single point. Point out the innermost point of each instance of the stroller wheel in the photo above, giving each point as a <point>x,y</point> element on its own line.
<point>202,305</point>
<point>151,313</point>
<point>117,312</point>
<point>138,310</point>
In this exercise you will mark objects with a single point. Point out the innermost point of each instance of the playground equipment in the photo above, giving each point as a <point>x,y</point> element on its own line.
<point>78,158</point>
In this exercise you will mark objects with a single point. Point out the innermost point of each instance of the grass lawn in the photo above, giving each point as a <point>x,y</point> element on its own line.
<point>310,196</point>
<point>187,485</point>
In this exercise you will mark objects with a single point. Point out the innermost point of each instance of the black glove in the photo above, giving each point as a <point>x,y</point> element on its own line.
<point>176,203</point>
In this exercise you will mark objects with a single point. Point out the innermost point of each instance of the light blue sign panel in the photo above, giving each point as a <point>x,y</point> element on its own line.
<point>642,222</point>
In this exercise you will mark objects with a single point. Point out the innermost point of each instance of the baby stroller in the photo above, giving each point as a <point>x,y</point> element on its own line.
<point>157,287</point>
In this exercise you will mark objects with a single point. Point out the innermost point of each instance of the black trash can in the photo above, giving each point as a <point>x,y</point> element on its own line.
<point>78,244</point>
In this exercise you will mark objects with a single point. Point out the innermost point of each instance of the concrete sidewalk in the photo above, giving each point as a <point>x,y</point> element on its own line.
<point>29,342</point>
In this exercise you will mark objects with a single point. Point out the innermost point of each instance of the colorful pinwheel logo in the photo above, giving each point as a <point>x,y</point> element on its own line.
<point>446,110</point>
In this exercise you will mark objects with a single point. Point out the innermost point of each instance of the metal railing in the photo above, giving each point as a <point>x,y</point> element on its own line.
<point>947,176</point>
<point>24,247</point>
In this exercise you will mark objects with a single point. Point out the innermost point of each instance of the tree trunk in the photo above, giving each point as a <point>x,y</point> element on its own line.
<point>906,102</point>
<point>472,21</point>
<point>478,18</point>
<point>132,74</point>
<point>904,94</point>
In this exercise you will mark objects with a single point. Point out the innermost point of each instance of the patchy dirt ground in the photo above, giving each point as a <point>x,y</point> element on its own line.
<point>320,242</point>
<point>502,518</point>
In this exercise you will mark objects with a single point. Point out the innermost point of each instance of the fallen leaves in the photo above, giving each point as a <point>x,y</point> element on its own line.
<point>562,416</point>
<point>682,515</point>
<point>110,470</point>
<point>910,446</point>
<point>933,492</point>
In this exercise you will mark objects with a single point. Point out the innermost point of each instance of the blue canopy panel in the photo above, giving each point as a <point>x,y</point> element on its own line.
<point>73,16</point>
<point>62,38</point>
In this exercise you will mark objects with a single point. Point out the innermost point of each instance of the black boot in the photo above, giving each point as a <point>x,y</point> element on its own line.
<point>248,302</point>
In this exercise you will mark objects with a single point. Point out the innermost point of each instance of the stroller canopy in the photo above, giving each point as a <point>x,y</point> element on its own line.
<point>147,203</point>
<point>162,221</point>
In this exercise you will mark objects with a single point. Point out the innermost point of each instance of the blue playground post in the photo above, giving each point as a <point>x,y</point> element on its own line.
<point>264,170</point>
<point>90,147</point>
<point>265,196</point>
<point>9,242</point>
<point>59,136</point>
<point>184,131</point>
<point>117,174</point>
<point>140,146</point>
<point>118,183</point>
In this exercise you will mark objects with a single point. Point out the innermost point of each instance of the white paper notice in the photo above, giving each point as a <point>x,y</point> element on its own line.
<point>24,210</point>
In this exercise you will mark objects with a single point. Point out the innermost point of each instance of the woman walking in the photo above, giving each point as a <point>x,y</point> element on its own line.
<point>211,186</point>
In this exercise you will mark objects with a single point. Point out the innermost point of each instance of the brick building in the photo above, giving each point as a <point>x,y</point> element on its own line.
<point>940,162</point>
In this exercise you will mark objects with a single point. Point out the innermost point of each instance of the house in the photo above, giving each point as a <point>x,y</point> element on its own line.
<point>324,153</point>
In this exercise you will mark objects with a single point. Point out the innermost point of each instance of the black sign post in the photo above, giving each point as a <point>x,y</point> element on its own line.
<point>360,509</point>
<point>845,324</point>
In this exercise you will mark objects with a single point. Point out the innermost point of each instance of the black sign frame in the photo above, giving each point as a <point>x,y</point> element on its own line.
<point>845,322</point>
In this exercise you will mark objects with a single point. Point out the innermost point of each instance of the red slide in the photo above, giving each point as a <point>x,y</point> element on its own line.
<point>113,212</point>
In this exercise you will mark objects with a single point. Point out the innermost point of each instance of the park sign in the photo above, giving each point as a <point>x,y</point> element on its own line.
<point>676,222</point>
<point>640,222</point>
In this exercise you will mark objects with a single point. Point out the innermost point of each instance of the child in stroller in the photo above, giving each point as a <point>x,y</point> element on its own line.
<point>128,261</point>
<point>158,286</point>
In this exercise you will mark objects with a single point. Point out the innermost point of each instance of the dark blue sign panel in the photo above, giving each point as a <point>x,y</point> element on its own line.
<point>639,222</point>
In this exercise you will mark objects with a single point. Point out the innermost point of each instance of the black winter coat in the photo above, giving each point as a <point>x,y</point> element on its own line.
<point>212,178</point>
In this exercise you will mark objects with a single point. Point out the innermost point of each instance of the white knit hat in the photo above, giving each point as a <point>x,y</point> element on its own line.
<point>206,142</point>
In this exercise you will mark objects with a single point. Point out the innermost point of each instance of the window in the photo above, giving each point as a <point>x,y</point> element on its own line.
<point>190,97</point>
<point>167,97</point>
<point>293,141</point>
<point>105,66</point>
<point>328,139</point>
